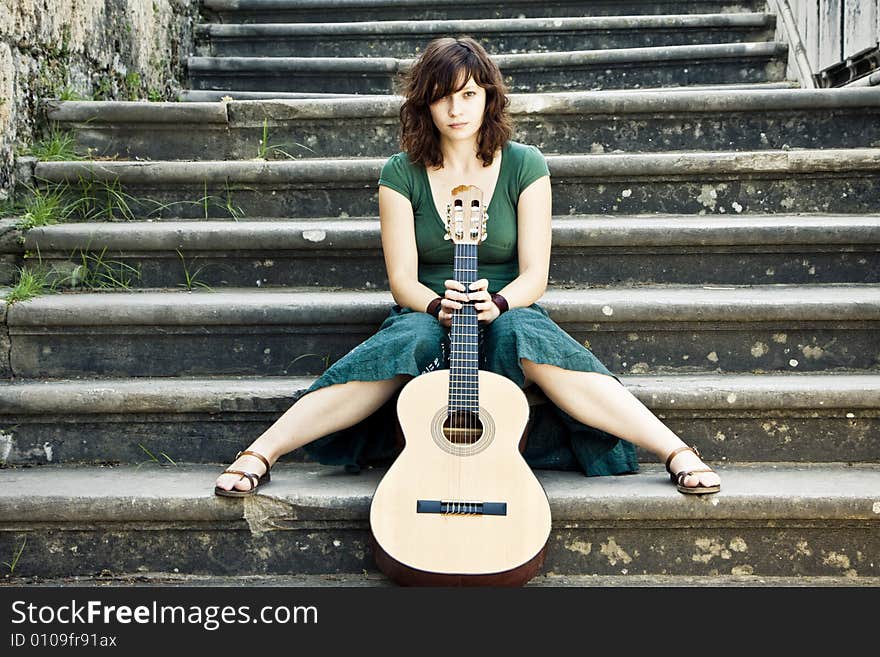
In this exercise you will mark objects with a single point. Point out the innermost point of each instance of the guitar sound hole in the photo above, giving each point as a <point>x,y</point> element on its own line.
<point>463,428</point>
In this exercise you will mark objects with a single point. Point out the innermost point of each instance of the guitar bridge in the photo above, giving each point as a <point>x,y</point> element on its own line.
<point>462,508</point>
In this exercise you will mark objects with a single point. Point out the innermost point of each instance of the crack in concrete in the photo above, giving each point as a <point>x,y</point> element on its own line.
<point>261,511</point>
<point>8,338</point>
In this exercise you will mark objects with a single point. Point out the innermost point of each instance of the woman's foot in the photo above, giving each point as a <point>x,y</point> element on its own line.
<point>687,460</point>
<point>245,463</point>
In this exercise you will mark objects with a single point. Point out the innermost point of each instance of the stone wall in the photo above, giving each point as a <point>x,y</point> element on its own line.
<point>85,49</point>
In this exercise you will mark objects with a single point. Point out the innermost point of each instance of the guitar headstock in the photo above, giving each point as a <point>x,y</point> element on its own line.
<point>466,217</point>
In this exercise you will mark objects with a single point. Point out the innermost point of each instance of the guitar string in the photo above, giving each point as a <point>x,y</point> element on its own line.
<point>460,424</point>
<point>458,397</point>
<point>465,419</point>
<point>464,369</point>
<point>465,333</point>
<point>472,324</point>
<point>468,278</point>
<point>458,364</point>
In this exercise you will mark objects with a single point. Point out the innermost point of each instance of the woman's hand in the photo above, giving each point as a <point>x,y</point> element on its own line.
<point>478,295</point>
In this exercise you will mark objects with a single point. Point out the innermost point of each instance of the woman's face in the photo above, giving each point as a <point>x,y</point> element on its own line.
<point>459,115</point>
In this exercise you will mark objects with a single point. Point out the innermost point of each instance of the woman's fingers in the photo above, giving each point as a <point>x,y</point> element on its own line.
<point>479,290</point>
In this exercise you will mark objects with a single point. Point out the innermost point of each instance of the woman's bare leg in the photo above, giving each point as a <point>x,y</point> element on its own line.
<point>314,415</point>
<point>598,400</point>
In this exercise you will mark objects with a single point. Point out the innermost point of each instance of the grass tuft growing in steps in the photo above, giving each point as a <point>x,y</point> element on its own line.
<point>95,273</point>
<point>32,282</point>
<point>153,458</point>
<point>57,146</point>
<point>191,277</point>
<point>15,557</point>
<point>265,149</point>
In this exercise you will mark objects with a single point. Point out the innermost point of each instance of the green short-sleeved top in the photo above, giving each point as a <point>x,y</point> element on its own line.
<point>521,165</point>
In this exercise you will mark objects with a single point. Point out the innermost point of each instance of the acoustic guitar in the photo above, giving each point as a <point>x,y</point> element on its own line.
<point>460,506</point>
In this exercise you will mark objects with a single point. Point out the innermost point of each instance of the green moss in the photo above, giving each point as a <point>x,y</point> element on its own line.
<point>51,78</point>
<point>67,93</point>
<point>132,85</point>
<point>104,88</point>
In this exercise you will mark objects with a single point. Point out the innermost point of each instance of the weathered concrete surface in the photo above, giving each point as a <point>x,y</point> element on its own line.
<point>735,418</point>
<point>407,38</point>
<point>207,95</point>
<point>814,181</point>
<point>278,332</point>
<point>114,112</point>
<point>11,251</point>
<point>288,11</point>
<point>126,49</point>
<point>586,251</point>
<point>527,72</point>
<point>5,369</point>
<point>817,520</point>
<point>377,579</point>
<point>568,122</point>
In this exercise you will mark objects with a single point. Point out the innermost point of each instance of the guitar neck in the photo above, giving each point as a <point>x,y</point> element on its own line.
<point>464,392</point>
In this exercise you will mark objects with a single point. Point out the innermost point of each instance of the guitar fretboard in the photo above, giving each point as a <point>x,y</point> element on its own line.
<point>464,336</point>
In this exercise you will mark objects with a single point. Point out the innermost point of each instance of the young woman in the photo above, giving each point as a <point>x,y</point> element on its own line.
<point>456,130</point>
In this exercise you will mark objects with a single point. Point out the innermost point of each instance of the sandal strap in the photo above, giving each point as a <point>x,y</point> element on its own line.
<point>677,451</point>
<point>259,456</point>
<point>681,476</point>
<point>254,479</point>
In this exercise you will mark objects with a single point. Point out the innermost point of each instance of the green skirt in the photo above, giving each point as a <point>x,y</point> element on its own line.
<point>413,343</point>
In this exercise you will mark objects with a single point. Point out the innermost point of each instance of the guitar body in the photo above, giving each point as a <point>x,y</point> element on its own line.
<point>460,507</point>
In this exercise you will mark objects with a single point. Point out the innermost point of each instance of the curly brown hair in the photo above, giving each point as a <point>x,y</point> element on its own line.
<point>444,68</point>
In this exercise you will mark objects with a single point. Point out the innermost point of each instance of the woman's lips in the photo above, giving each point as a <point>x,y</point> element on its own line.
<point>457,125</point>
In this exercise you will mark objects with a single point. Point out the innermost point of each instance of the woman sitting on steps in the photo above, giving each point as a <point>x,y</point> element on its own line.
<point>456,130</point>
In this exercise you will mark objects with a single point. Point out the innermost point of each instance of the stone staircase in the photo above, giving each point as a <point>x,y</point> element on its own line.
<point>716,232</point>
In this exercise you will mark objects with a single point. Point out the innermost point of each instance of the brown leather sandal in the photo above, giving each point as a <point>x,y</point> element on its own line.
<point>256,481</point>
<point>679,477</point>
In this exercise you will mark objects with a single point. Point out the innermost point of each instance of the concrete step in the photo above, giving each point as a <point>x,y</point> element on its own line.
<point>10,250</point>
<point>530,72</point>
<point>730,417</point>
<point>208,95</point>
<point>108,578</point>
<point>687,329</point>
<point>754,182</point>
<point>406,38</point>
<point>773,520</point>
<point>587,250</point>
<point>322,11</point>
<point>586,122</point>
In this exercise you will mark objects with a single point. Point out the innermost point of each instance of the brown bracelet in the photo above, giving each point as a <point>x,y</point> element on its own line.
<point>434,307</point>
<point>501,302</point>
